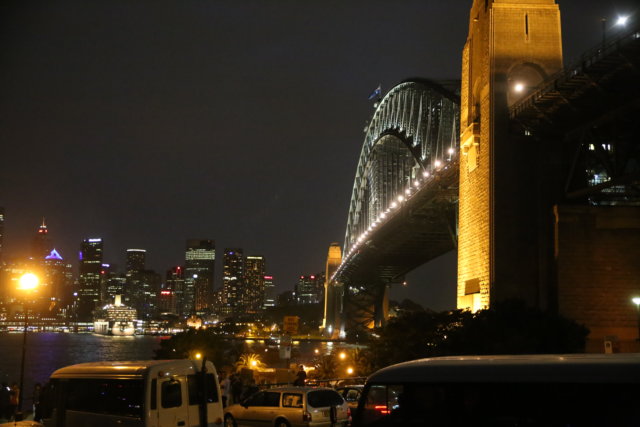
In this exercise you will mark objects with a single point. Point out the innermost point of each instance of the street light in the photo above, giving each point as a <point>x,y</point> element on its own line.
<point>28,282</point>
<point>622,21</point>
<point>636,301</point>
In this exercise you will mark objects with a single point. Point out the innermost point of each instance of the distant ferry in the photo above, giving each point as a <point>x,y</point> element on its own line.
<point>115,319</point>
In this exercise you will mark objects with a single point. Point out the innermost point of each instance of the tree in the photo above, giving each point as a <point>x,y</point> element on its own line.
<point>326,367</point>
<point>509,327</point>
<point>186,344</point>
<point>249,361</point>
<point>512,327</point>
<point>362,361</point>
<point>414,335</point>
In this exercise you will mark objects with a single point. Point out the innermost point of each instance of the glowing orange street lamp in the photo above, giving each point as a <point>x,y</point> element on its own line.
<point>27,283</point>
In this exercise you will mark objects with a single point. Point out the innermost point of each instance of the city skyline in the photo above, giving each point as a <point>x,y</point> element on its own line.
<point>162,126</point>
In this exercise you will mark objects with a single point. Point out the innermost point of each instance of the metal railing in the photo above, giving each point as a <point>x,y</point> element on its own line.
<point>331,382</point>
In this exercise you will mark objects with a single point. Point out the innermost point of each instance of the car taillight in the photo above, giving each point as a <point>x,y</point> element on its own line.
<point>348,412</point>
<point>306,416</point>
<point>382,409</point>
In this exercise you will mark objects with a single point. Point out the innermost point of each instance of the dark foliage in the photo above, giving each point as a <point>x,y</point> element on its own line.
<point>511,327</point>
<point>507,328</point>
<point>220,350</point>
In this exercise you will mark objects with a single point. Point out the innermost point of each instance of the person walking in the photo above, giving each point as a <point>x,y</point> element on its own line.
<point>301,377</point>
<point>225,385</point>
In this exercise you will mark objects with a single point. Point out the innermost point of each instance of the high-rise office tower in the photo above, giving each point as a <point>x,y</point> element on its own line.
<point>142,285</point>
<point>150,282</point>
<point>136,259</point>
<point>133,290</point>
<point>233,280</point>
<point>58,279</point>
<point>253,295</point>
<point>41,245</point>
<point>89,280</point>
<point>269,292</point>
<point>310,289</point>
<point>114,284</point>
<point>174,282</point>
<point>199,266</point>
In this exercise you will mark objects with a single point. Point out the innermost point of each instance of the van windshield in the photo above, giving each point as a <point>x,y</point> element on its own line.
<point>505,404</point>
<point>104,396</point>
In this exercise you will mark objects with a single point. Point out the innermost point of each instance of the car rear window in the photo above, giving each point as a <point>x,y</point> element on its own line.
<point>292,400</point>
<point>323,398</point>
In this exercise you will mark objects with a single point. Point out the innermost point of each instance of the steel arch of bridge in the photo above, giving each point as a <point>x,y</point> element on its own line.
<point>407,172</point>
<point>425,117</point>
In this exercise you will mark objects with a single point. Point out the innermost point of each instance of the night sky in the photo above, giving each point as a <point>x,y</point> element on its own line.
<point>150,122</point>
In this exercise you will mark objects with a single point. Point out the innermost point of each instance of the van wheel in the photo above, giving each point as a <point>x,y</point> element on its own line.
<point>282,423</point>
<point>229,421</point>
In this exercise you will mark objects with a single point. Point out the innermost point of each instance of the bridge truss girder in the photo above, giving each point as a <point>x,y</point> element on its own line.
<point>587,114</point>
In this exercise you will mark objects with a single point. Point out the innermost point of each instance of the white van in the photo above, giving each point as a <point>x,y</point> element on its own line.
<point>538,390</point>
<point>155,393</point>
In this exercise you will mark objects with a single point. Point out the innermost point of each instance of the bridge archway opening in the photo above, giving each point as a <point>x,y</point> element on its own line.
<point>522,79</point>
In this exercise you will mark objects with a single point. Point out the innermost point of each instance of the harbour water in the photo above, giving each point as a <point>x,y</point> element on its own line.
<point>48,351</point>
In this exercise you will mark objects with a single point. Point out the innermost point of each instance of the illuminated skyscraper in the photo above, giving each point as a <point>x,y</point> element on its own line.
<point>233,280</point>
<point>174,282</point>
<point>58,283</point>
<point>41,245</point>
<point>269,292</point>
<point>89,280</point>
<point>150,282</point>
<point>170,299</point>
<point>133,290</point>
<point>136,260</point>
<point>142,285</point>
<point>199,266</point>
<point>310,289</point>
<point>253,292</point>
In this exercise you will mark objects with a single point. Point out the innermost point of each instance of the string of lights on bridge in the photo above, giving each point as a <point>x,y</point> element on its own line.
<point>401,198</point>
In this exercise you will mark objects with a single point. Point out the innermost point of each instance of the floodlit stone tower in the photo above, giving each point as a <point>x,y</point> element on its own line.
<point>512,46</point>
<point>333,294</point>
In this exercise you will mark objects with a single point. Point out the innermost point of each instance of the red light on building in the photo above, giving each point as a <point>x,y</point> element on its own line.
<point>165,292</point>
<point>268,277</point>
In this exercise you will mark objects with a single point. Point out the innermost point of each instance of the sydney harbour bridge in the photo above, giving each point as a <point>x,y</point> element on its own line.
<point>404,209</point>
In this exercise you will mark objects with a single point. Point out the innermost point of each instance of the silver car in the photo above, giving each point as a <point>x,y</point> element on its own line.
<point>290,407</point>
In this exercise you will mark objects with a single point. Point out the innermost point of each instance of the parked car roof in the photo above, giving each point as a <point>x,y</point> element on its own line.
<point>128,368</point>
<point>577,368</point>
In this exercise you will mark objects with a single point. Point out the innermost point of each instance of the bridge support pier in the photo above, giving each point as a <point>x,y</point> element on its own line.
<point>366,306</point>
